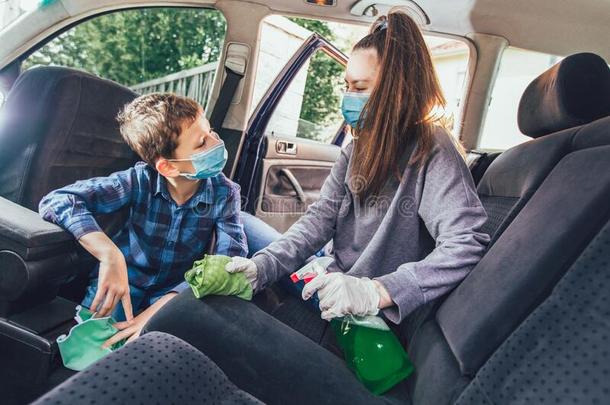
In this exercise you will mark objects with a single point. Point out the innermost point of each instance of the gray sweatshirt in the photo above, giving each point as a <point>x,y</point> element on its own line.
<point>419,237</point>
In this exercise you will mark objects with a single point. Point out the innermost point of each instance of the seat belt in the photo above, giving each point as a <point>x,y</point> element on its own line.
<point>227,91</point>
<point>235,68</point>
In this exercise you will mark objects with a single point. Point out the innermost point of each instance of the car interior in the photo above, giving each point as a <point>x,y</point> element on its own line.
<point>529,324</point>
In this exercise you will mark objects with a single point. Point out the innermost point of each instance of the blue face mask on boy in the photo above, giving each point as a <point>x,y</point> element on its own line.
<point>352,106</point>
<point>208,163</point>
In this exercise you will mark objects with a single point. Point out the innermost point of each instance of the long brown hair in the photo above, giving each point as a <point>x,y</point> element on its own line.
<point>402,106</point>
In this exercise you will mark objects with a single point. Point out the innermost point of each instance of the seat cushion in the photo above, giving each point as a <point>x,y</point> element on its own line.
<point>560,353</point>
<point>156,368</point>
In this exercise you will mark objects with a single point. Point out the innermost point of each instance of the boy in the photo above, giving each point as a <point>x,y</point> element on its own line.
<point>176,198</point>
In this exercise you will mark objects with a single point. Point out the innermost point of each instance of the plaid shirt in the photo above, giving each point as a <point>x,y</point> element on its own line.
<point>161,239</point>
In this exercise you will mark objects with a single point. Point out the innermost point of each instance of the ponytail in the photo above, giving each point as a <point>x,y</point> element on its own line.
<point>401,108</point>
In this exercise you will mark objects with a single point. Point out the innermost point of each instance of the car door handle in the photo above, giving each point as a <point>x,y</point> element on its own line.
<point>294,183</point>
<point>286,147</point>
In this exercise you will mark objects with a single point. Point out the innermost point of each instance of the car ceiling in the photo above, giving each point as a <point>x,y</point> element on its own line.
<point>559,27</point>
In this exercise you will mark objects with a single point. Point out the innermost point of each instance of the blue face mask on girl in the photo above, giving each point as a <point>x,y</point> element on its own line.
<point>352,106</point>
<point>208,163</point>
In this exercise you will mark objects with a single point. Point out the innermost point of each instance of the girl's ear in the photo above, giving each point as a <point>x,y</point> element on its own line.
<point>166,168</point>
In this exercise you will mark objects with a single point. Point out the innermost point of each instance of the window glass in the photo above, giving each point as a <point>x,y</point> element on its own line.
<point>518,68</point>
<point>156,49</point>
<point>310,108</point>
<point>316,106</point>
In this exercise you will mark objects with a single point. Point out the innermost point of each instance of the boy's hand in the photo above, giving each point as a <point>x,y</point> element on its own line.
<point>112,286</point>
<point>242,265</point>
<point>131,330</point>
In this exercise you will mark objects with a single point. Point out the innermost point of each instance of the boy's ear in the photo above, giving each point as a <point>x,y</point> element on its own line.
<point>166,168</point>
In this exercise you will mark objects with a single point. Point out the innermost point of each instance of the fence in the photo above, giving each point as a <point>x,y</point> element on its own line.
<point>195,83</point>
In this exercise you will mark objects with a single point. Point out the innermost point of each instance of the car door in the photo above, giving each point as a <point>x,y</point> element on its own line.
<point>293,137</point>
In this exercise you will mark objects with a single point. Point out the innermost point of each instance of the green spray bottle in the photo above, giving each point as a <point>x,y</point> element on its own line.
<point>372,351</point>
<point>369,347</point>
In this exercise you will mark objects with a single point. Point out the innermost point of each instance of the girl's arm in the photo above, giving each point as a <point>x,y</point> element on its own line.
<point>310,233</point>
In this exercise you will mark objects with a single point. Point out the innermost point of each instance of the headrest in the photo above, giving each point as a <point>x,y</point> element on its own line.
<point>573,92</point>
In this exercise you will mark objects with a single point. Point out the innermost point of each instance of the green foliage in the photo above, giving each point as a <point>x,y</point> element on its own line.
<point>138,45</point>
<point>324,80</point>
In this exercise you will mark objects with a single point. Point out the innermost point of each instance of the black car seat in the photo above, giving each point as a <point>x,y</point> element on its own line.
<point>546,199</point>
<point>142,372</point>
<point>560,98</point>
<point>58,126</point>
<point>66,121</point>
<point>573,92</point>
<point>559,354</point>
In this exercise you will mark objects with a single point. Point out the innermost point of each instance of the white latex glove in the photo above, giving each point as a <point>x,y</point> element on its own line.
<point>341,295</point>
<point>246,266</point>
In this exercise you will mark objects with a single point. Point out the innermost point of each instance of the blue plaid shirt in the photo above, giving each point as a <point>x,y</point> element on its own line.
<point>161,239</point>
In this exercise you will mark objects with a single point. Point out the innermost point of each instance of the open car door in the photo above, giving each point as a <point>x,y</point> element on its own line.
<point>294,135</point>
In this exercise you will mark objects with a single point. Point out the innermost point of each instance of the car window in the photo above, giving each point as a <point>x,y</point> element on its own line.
<point>156,49</point>
<point>518,67</point>
<point>311,106</point>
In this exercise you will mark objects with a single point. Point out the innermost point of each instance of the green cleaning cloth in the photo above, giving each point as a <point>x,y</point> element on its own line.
<point>82,346</point>
<point>209,277</point>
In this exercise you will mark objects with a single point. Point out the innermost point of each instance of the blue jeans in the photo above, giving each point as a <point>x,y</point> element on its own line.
<point>260,235</point>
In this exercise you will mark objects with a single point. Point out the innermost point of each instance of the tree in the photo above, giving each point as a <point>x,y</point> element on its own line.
<point>133,46</point>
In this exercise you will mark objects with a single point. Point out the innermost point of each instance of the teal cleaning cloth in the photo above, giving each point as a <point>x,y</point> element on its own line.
<point>209,277</point>
<point>82,346</point>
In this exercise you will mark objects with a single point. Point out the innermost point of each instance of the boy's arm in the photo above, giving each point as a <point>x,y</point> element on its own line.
<point>113,281</point>
<point>72,207</point>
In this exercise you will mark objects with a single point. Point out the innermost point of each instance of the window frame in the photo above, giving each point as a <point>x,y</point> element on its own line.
<point>469,74</point>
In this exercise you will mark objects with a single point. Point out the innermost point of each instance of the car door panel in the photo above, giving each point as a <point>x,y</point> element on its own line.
<point>292,183</point>
<point>282,175</point>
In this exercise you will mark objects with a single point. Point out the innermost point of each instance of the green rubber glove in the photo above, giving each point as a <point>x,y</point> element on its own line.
<point>82,346</point>
<point>209,277</point>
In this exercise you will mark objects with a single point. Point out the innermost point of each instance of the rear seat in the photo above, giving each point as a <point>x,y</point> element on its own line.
<point>559,354</point>
<point>478,161</point>
<point>573,92</point>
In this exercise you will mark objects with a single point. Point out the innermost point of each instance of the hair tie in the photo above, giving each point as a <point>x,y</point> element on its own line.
<point>381,27</point>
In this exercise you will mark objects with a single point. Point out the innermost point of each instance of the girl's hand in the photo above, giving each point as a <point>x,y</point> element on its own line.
<point>248,267</point>
<point>131,330</point>
<point>341,295</point>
